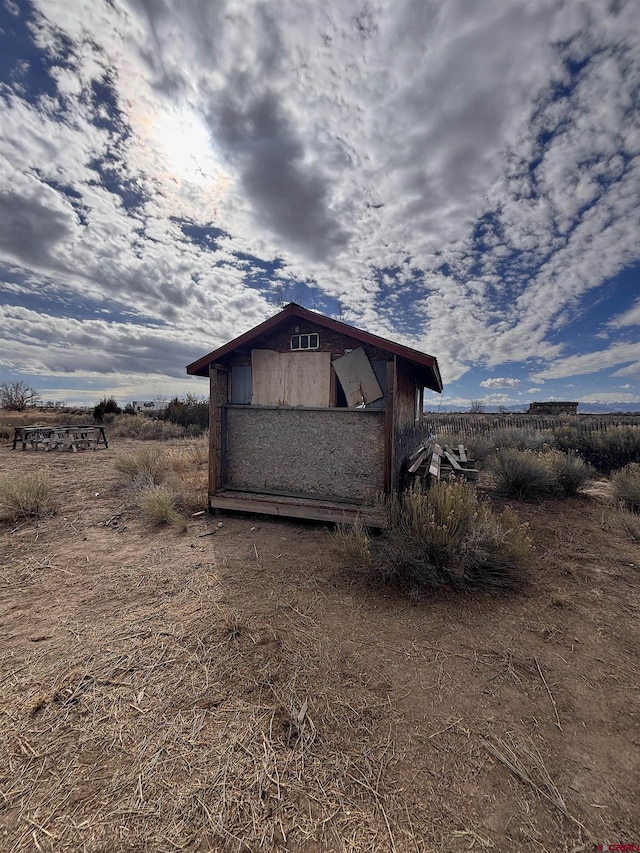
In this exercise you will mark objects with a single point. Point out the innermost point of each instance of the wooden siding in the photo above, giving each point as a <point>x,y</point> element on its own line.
<point>280,341</point>
<point>218,391</point>
<point>407,435</point>
<point>322,453</point>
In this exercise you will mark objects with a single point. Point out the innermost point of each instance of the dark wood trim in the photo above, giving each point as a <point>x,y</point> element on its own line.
<point>213,430</point>
<point>201,366</point>
<point>389,425</point>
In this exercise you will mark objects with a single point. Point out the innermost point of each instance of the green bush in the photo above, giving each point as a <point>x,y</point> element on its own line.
<point>24,497</point>
<point>190,413</point>
<point>443,537</point>
<point>570,471</point>
<point>607,450</point>
<point>523,474</point>
<point>626,487</point>
<point>106,406</point>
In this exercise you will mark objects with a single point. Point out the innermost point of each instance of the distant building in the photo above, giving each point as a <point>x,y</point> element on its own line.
<point>553,408</point>
<point>149,406</point>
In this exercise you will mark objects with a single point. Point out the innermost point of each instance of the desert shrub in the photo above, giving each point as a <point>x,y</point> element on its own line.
<point>190,413</point>
<point>523,474</point>
<point>159,503</point>
<point>106,406</point>
<point>629,523</point>
<point>626,487</point>
<point>444,537</point>
<point>6,430</point>
<point>144,467</point>
<point>25,497</point>
<point>144,428</point>
<point>570,471</point>
<point>521,438</point>
<point>607,450</point>
<point>166,478</point>
<point>352,543</point>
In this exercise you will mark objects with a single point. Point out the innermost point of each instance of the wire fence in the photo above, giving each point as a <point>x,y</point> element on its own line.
<point>472,424</point>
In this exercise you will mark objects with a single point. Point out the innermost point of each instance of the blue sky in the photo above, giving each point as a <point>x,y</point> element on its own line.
<point>462,177</point>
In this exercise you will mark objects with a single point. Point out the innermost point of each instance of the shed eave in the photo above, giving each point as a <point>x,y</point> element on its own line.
<point>200,367</point>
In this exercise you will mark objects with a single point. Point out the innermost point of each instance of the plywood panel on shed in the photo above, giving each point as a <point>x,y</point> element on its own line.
<point>337,453</point>
<point>290,378</point>
<point>357,378</point>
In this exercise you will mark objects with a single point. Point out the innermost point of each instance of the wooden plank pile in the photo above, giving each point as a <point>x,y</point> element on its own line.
<point>441,461</point>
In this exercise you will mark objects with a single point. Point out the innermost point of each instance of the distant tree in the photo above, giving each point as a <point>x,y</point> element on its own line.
<point>189,412</point>
<point>503,410</point>
<point>17,396</point>
<point>106,406</point>
<point>476,407</point>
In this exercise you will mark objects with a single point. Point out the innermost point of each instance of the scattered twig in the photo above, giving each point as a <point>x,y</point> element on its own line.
<point>553,701</point>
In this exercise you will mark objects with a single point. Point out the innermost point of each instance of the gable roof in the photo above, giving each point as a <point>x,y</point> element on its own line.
<point>428,363</point>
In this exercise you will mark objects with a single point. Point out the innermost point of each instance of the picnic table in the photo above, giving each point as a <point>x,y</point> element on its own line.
<point>71,438</point>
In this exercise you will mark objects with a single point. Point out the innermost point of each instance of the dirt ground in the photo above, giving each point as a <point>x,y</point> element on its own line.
<point>232,687</point>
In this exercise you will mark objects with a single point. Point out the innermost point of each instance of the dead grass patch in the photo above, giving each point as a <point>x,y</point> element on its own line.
<point>26,496</point>
<point>160,736</point>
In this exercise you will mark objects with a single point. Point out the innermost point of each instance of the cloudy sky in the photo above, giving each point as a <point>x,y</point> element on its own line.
<point>463,177</point>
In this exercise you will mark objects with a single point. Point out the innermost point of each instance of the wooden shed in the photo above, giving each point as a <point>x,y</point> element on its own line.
<point>311,418</point>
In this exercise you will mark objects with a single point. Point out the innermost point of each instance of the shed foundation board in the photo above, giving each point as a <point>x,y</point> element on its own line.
<point>289,507</point>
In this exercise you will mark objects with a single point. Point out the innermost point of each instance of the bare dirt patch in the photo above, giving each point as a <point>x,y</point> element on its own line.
<point>233,688</point>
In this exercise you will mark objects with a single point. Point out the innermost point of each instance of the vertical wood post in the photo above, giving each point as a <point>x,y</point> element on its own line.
<point>213,429</point>
<point>389,426</point>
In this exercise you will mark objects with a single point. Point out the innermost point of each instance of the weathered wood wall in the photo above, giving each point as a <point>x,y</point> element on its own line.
<point>407,434</point>
<point>336,453</point>
<point>330,341</point>
<point>218,391</point>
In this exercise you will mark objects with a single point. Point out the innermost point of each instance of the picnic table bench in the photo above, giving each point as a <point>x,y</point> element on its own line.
<point>71,438</point>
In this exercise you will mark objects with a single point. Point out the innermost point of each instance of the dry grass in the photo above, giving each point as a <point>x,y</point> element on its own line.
<point>142,739</point>
<point>25,497</point>
<point>159,503</point>
<point>167,481</point>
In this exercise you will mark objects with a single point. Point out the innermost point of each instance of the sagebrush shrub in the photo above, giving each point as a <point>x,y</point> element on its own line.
<point>626,487</point>
<point>25,497</point>
<point>607,450</point>
<point>571,472</point>
<point>523,474</point>
<point>446,536</point>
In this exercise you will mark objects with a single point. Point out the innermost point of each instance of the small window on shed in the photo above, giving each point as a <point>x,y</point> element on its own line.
<point>311,341</point>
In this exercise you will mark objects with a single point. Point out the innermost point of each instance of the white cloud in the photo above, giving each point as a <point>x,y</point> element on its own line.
<point>340,140</point>
<point>500,383</point>
<point>592,362</point>
<point>628,318</point>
